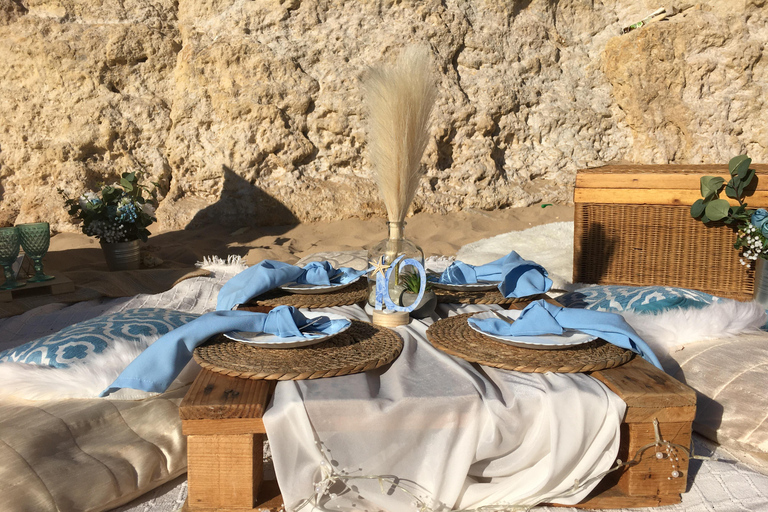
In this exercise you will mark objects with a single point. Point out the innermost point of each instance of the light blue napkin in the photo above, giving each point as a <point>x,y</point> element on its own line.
<point>161,362</point>
<point>518,277</point>
<point>541,317</point>
<point>270,274</point>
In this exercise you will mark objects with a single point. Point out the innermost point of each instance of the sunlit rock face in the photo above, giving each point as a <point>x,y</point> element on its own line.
<point>250,112</point>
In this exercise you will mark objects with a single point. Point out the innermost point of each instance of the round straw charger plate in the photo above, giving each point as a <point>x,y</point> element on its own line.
<point>481,286</point>
<point>569,338</point>
<point>315,289</point>
<point>455,337</point>
<point>352,293</point>
<point>360,348</point>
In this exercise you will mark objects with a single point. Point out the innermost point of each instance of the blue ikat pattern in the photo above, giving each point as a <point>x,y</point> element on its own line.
<point>79,341</point>
<point>640,299</point>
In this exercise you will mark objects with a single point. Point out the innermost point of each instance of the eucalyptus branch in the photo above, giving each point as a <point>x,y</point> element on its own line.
<point>751,225</point>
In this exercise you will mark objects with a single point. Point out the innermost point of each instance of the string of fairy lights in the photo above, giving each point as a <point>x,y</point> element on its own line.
<point>332,483</point>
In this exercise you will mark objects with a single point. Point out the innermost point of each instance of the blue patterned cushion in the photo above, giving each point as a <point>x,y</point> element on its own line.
<point>80,340</point>
<point>641,299</point>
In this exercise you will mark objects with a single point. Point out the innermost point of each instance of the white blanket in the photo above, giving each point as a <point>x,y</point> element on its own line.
<point>448,433</point>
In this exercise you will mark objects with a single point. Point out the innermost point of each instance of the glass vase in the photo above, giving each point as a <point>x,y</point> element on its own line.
<point>381,256</point>
<point>760,291</point>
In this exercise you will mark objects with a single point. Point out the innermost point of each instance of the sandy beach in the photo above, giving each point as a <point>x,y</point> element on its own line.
<point>169,256</point>
<point>436,234</point>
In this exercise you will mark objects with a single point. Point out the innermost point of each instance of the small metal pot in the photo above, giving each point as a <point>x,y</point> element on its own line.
<point>122,255</point>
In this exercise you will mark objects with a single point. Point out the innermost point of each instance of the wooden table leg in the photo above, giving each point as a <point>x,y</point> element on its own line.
<point>221,417</point>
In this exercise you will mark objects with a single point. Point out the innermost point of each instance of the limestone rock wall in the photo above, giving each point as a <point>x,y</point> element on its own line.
<point>250,112</point>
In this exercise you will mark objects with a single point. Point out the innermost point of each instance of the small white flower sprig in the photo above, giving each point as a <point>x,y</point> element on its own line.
<point>752,238</point>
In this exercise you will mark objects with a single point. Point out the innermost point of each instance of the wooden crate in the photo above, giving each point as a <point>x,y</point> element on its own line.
<point>632,226</point>
<point>221,417</point>
<point>56,286</point>
<point>650,394</point>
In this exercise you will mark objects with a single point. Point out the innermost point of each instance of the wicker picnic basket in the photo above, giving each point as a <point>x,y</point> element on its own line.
<point>632,226</point>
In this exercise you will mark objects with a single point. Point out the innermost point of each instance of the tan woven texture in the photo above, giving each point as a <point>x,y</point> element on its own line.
<point>454,336</point>
<point>658,244</point>
<point>353,294</point>
<point>360,348</point>
<point>487,297</point>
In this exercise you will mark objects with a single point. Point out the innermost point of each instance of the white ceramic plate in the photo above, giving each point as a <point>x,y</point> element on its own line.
<point>315,289</point>
<point>569,338</point>
<point>264,340</point>
<point>469,287</point>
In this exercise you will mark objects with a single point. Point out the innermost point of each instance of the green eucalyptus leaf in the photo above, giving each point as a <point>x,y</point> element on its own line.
<point>710,186</point>
<point>704,218</point>
<point>743,167</point>
<point>739,213</point>
<point>737,161</point>
<point>731,189</point>
<point>717,209</point>
<point>127,185</point>
<point>697,208</point>
<point>744,183</point>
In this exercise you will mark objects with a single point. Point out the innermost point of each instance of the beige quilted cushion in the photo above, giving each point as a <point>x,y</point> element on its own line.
<point>87,455</point>
<point>730,376</point>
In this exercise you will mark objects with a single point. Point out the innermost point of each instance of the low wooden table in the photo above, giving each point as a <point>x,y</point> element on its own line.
<point>221,417</point>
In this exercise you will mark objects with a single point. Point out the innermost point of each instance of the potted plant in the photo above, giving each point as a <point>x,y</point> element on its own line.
<point>118,215</point>
<point>411,283</point>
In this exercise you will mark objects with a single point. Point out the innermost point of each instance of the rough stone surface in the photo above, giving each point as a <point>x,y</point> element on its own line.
<point>251,113</point>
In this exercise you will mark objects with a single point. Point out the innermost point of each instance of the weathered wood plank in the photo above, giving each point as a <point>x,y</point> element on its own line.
<point>269,500</point>
<point>652,476</point>
<point>224,471</point>
<point>671,197</point>
<point>223,427</point>
<point>56,286</point>
<point>690,180</point>
<point>214,396</point>
<point>642,385</point>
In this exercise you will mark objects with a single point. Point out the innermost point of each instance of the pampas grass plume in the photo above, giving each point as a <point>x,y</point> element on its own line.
<point>400,99</point>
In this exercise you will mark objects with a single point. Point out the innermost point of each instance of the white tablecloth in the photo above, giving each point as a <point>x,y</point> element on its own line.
<point>448,433</point>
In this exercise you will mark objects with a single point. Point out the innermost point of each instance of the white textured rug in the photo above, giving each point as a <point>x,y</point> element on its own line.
<point>549,245</point>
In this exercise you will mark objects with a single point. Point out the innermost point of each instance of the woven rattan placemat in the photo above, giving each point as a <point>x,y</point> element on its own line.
<point>360,348</point>
<point>454,336</point>
<point>487,297</point>
<point>352,294</point>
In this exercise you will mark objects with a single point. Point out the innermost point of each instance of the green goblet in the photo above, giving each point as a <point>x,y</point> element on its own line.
<point>9,251</point>
<point>35,239</point>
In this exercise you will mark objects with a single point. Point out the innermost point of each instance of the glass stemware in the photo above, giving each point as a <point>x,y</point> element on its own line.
<point>9,251</point>
<point>35,239</point>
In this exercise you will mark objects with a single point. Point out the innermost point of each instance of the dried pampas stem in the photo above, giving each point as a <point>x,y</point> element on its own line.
<point>399,100</point>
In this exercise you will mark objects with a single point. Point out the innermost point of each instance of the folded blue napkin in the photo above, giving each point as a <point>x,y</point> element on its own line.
<point>518,277</point>
<point>270,274</point>
<point>161,362</point>
<point>541,317</point>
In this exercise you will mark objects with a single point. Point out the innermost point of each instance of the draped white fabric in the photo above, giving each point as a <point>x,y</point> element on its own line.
<point>450,433</point>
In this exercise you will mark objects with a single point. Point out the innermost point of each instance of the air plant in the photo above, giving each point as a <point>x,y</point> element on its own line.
<point>411,281</point>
